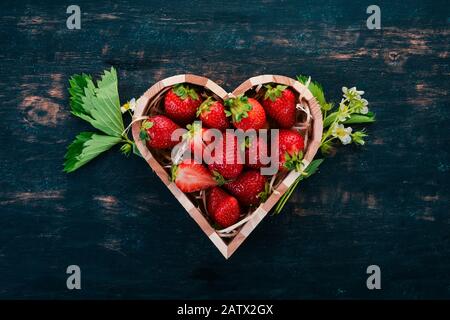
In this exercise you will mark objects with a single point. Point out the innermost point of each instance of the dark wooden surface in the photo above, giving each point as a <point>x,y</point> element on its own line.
<point>386,203</point>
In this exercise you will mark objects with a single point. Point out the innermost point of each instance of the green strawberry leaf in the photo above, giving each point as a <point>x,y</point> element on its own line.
<point>355,118</point>
<point>312,168</point>
<point>329,119</point>
<point>78,83</point>
<point>360,118</point>
<point>85,147</point>
<point>317,91</point>
<point>136,150</point>
<point>99,105</point>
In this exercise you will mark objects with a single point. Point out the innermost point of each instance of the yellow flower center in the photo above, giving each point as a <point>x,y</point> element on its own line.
<point>340,132</point>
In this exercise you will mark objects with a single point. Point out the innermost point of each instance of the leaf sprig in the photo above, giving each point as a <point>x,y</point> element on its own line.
<point>352,109</point>
<point>99,105</point>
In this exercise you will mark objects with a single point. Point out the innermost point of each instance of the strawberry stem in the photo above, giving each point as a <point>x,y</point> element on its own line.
<point>293,161</point>
<point>143,134</point>
<point>238,108</point>
<point>274,92</point>
<point>264,195</point>
<point>185,91</point>
<point>193,129</point>
<point>173,172</point>
<point>205,106</point>
<point>219,178</point>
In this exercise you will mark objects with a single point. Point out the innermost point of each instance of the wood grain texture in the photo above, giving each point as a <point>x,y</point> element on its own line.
<point>386,203</point>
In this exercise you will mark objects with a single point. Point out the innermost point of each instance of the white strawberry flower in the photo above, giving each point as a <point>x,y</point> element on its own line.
<point>359,105</point>
<point>344,134</point>
<point>365,108</point>
<point>130,105</point>
<point>352,93</point>
<point>343,112</point>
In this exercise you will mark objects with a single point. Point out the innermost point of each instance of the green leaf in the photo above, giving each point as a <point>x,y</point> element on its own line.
<point>78,83</point>
<point>326,147</point>
<point>329,119</point>
<point>317,91</point>
<point>312,168</point>
<point>136,150</point>
<point>360,118</point>
<point>99,105</point>
<point>354,119</point>
<point>85,147</point>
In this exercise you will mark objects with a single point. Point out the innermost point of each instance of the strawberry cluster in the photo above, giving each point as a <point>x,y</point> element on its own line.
<point>232,185</point>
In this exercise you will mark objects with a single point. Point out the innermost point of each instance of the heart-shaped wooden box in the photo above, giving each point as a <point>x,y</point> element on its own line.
<point>309,123</point>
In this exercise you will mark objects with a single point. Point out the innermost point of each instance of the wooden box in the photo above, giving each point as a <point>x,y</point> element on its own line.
<point>309,124</point>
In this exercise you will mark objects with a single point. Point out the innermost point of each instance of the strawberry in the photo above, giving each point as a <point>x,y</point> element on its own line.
<point>195,138</point>
<point>190,176</point>
<point>212,114</point>
<point>246,113</point>
<point>223,208</point>
<point>157,132</point>
<point>253,147</point>
<point>249,188</point>
<point>290,146</point>
<point>229,165</point>
<point>181,103</point>
<point>279,103</point>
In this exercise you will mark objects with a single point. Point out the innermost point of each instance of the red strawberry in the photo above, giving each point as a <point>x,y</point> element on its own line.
<point>249,188</point>
<point>290,146</point>
<point>223,208</point>
<point>253,147</point>
<point>212,114</point>
<point>195,138</point>
<point>190,176</point>
<point>181,103</point>
<point>246,113</point>
<point>230,164</point>
<point>279,103</point>
<point>157,132</point>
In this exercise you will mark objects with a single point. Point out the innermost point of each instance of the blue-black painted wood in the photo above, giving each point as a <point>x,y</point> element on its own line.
<point>386,203</point>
